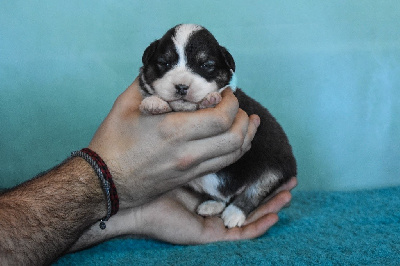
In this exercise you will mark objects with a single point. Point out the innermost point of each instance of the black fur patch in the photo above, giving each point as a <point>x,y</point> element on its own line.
<point>159,57</point>
<point>205,57</point>
<point>270,150</point>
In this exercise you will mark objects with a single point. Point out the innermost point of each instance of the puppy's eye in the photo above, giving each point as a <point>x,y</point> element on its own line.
<point>208,66</point>
<point>162,63</point>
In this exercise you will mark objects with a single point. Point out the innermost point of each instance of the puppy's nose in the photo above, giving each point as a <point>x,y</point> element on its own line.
<point>181,89</point>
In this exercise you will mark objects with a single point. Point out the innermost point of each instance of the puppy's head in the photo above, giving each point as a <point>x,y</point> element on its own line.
<point>185,65</point>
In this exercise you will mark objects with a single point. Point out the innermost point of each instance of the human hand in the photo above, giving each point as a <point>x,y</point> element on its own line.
<point>149,155</point>
<point>172,218</point>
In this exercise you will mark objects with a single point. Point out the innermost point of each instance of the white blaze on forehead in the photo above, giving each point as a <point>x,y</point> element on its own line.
<point>182,34</point>
<point>164,87</point>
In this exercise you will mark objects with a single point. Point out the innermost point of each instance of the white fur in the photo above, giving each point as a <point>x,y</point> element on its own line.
<point>208,184</point>
<point>263,185</point>
<point>182,34</point>
<point>233,216</point>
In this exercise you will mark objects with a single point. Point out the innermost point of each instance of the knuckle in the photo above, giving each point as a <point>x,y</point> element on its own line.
<point>170,131</point>
<point>242,112</point>
<point>222,122</point>
<point>185,162</point>
<point>221,119</point>
<point>236,140</point>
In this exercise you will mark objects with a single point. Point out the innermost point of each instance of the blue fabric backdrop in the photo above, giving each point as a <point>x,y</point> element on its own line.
<point>319,228</point>
<point>328,70</point>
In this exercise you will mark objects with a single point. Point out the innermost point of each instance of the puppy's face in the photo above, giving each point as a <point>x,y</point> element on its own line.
<point>185,65</point>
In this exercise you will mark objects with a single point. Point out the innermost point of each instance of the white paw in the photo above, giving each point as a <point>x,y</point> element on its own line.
<point>211,100</point>
<point>233,216</point>
<point>210,207</point>
<point>154,105</point>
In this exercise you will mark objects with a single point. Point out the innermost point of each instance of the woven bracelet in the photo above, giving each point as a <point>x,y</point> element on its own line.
<point>104,175</point>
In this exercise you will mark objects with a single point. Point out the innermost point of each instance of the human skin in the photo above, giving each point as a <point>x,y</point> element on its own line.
<point>148,156</point>
<point>172,218</point>
<point>155,153</point>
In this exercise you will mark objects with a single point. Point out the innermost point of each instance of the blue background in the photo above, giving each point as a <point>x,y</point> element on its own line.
<point>328,70</point>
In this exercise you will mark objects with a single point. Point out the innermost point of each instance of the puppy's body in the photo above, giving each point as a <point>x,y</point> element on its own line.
<point>186,70</point>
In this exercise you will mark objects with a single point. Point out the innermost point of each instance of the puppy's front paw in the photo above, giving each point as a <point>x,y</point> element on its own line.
<point>233,216</point>
<point>210,208</point>
<point>154,105</point>
<point>211,100</point>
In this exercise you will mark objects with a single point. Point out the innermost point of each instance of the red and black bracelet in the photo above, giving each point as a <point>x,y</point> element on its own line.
<point>101,169</point>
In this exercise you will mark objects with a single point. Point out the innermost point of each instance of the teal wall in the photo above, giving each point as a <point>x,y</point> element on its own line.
<point>328,70</point>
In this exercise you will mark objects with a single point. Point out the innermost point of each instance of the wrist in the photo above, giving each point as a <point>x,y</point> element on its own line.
<point>104,176</point>
<point>91,192</point>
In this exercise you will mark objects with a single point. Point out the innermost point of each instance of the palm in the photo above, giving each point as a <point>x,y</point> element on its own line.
<point>172,218</point>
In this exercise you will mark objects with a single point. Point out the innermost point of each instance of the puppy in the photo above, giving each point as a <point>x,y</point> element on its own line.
<point>186,70</point>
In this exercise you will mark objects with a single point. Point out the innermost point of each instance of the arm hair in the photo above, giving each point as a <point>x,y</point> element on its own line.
<point>43,217</point>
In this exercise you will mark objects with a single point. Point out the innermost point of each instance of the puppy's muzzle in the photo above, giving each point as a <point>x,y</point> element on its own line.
<point>181,89</point>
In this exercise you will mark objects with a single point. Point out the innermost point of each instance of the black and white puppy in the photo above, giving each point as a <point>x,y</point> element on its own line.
<point>186,70</point>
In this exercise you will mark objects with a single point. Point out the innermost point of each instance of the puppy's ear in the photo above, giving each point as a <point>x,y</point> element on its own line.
<point>228,58</point>
<point>149,52</point>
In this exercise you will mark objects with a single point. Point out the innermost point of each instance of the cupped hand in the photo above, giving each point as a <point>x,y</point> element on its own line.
<point>172,218</point>
<point>149,155</point>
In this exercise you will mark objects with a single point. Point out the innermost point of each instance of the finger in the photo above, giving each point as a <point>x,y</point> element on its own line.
<point>289,185</point>
<point>203,123</point>
<point>272,206</point>
<point>187,197</point>
<point>172,222</point>
<point>237,138</point>
<point>129,101</point>
<point>214,151</point>
<point>252,230</point>
<point>215,164</point>
<point>251,132</point>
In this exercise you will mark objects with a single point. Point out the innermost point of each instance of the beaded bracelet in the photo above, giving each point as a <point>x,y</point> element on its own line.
<point>104,175</point>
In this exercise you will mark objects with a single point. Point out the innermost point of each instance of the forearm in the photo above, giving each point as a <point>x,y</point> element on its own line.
<point>43,217</point>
